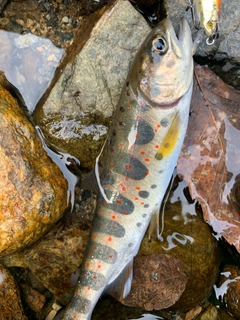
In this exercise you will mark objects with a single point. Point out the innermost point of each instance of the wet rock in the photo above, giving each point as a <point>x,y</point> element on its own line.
<point>33,191</point>
<point>10,303</point>
<point>2,4</point>
<point>210,313</point>
<point>55,258</point>
<point>186,236</point>
<point>229,289</point>
<point>77,113</point>
<point>223,315</point>
<point>228,44</point>
<point>158,282</point>
<point>29,63</point>
<point>193,313</point>
<point>22,9</point>
<point>34,299</point>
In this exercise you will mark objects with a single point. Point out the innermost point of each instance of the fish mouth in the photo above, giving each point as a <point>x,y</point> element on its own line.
<point>181,40</point>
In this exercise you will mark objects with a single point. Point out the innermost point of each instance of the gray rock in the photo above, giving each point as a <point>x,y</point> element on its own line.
<point>77,112</point>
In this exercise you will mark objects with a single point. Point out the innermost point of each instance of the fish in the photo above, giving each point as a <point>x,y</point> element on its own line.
<point>208,14</point>
<point>136,163</point>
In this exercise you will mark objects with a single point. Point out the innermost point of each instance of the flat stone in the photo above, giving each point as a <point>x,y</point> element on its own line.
<point>77,113</point>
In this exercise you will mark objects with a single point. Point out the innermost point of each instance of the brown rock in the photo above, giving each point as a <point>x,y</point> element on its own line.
<point>55,258</point>
<point>229,289</point>
<point>158,282</point>
<point>10,303</point>
<point>187,237</point>
<point>33,191</point>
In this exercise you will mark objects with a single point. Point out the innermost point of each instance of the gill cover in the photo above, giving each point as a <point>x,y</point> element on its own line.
<point>162,64</point>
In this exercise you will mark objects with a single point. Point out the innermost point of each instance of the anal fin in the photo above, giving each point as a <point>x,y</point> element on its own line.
<point>121,286</point>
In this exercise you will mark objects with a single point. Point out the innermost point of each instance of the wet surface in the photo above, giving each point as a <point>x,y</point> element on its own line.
<point>29,64</point>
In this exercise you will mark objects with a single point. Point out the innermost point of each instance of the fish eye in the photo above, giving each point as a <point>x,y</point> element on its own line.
<point>159,45</point>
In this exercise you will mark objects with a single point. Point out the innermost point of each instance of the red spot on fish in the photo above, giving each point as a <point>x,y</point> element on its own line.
<point>136,198</point>
<point>137,135</point>
<point>109,239</point>
<point>142,152</point>
<point>88,288</point>
<point>94,236</point>
<point>110,256</point>
<point>157,146</point>
<point>146,173</point>
<point>147,159</point>
<point>95,248</point>
<point>83,307</point>
<point>155,130</point>
<point>87,264</point>
<point>90,255</point>
<point>123,132</point>
<point>128,167</point>
<point>112,164</point>
<point>138,188</point>
<point>99,266</point>
<point>114,227</point>
<point>85,274</point>
<point>107,184</point>
<point>100,212</point>
<point>113,217</point>
<point>138,117</point>
<point>101,224</point>
<point>126,212</point>
<point>76,292</point>
<point>120,144</point>
<point>75,317</point>
<point>158,125</point>
<point>119,201</point>
<point>105,203</point>
<point>94,277</point>
<point>126,178</point>
<point>142,203</point>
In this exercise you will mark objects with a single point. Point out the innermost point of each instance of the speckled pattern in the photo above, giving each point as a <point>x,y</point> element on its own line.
<point>134,171</point>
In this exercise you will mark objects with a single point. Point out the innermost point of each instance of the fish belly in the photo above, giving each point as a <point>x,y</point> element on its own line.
<point>134,171</point>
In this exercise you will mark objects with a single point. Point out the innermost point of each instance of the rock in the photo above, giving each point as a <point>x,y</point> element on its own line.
<point>33,191</point>
<point>34,299</point>
<point>187,237</point>
<point>32,67</point>
<point>229,289</point>
<point>228,44</point>
<point>65,19</point>
<point>55,259</point>
<point>10,303</point>
<point>22,9</point>
<point>193,313</point>
<point>158,282</point>
<point>77,113</point>
<point>210,313</point>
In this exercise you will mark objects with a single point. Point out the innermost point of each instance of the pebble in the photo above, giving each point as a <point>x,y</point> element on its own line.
<point>65,19</point>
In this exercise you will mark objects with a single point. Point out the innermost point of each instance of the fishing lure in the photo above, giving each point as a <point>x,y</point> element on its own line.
<point>205,14</point>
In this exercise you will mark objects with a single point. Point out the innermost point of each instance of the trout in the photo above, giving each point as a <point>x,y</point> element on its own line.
<point>137,161</point>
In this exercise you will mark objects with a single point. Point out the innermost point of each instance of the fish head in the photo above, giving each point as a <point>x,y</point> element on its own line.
<point>162,71</point>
